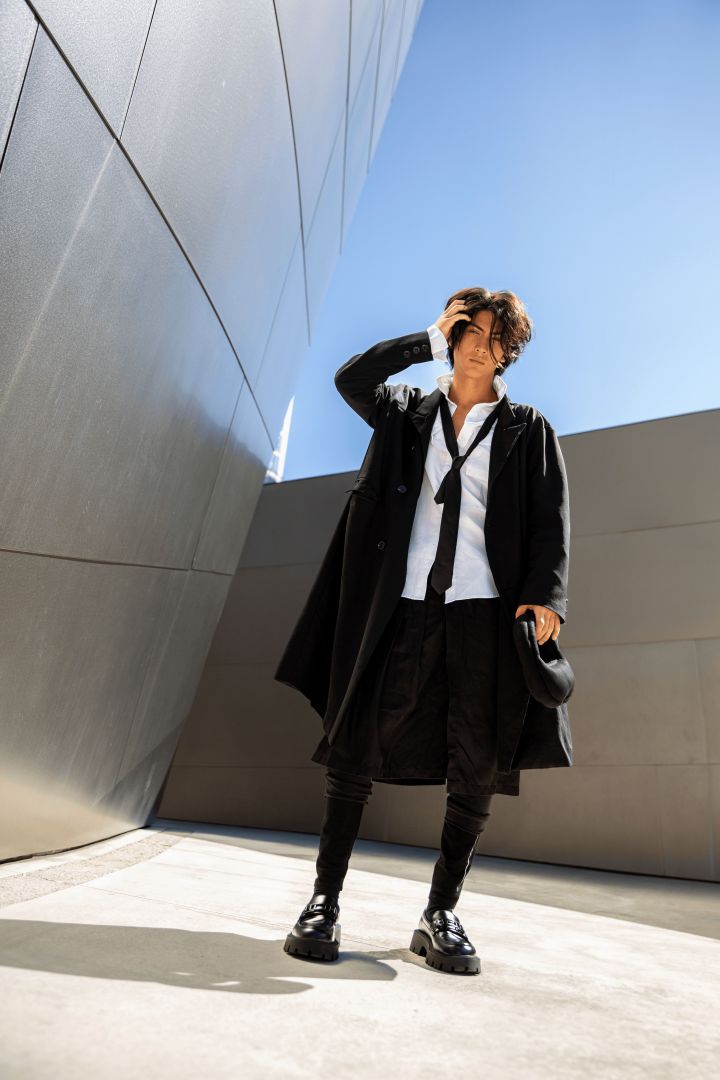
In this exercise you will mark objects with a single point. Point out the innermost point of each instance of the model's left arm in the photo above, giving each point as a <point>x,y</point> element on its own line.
<point>548,519</point>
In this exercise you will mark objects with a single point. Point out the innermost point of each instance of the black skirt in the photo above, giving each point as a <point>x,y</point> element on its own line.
<point>425,710</point>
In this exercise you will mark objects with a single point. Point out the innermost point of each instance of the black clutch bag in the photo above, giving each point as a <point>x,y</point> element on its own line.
<point>548,675</point>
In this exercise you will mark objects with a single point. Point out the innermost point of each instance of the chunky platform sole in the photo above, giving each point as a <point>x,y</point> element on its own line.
<point>460,965</point>
<point>315,948</point>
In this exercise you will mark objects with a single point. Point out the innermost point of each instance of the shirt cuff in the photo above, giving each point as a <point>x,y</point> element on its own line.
<point>438,342</point>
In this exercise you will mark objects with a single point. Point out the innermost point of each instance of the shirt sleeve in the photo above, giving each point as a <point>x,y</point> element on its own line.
<point>438,342</point>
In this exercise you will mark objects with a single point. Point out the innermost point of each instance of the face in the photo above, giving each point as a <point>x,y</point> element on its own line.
<point>475,352</point>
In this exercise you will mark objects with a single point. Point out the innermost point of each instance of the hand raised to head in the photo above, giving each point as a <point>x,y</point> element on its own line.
<point>452,314</point>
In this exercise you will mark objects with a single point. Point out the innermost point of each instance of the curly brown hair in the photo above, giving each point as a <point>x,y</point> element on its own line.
<point>508,309</point>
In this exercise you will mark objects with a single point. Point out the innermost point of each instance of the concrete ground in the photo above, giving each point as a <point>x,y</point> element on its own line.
<point>159,954</point>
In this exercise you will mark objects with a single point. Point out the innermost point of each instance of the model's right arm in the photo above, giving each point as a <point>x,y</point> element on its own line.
<point>361,380</point>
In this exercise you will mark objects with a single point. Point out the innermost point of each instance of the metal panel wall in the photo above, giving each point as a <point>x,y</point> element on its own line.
<point>172,178</point>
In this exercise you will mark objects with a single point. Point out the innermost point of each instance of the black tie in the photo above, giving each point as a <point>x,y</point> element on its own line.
<point>450,493</point>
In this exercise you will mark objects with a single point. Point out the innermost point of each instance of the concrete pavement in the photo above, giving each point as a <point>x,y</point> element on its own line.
<point>159,953</point>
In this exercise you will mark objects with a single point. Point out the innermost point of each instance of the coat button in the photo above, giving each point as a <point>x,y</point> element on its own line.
<point>381,544</point>
<point>425,348</point>
<point>406,353</point>
<point>402,488</point>
<point>416,348</point>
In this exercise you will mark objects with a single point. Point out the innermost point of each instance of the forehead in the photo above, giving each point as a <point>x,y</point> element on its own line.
<point>483,319</point>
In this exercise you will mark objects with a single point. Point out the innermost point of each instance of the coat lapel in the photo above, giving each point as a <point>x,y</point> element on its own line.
<point>505,433</point>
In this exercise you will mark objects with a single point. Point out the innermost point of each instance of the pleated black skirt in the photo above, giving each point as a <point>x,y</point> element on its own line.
<point>425,710</point>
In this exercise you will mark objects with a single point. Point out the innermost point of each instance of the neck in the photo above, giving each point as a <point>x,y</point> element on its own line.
<point>467,392</point>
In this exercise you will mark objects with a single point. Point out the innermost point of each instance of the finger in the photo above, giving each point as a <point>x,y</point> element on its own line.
<point>552,625</point>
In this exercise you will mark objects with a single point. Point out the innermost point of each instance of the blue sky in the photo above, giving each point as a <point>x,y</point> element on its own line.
<point>569,152</point>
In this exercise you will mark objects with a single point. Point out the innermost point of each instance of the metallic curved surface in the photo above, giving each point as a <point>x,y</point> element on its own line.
<point>175,183</point>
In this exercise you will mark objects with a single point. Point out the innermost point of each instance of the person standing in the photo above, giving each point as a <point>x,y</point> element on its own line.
<point>457,523</point>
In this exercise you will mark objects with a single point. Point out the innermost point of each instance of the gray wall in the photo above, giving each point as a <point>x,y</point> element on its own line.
<point>642,634</point>
<point>176,182</point>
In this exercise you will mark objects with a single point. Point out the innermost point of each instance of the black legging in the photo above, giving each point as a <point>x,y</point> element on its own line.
<point>467,811</point>
<point>345,798</point>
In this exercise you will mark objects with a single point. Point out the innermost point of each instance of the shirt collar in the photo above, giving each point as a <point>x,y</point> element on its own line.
<point>481,408</point>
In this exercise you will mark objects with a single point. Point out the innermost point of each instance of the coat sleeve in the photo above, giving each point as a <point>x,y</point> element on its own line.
<point>361,380</point>
<point>548,518</point>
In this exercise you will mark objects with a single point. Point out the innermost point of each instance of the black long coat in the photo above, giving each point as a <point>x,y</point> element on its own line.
<point>361,578</point>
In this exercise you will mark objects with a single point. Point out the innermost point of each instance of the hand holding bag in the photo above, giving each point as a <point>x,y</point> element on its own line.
<point>548,675</point>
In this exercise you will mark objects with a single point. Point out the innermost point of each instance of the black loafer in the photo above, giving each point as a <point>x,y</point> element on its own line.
<point>440,938</point>
<point>316,933</point>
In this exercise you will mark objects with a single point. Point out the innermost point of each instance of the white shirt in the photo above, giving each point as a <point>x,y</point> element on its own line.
<point>472,576</point>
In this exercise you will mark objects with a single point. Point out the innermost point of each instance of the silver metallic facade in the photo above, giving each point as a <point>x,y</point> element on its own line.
<point>176,183</point>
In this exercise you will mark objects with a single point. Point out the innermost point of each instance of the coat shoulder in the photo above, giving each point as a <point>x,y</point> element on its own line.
<point>530,414</point>
<point>406,397</point>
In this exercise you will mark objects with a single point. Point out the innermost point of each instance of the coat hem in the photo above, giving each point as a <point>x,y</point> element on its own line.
<point>324,754</point>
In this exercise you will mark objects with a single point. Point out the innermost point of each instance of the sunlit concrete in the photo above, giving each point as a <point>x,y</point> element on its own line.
<point>161,951</point>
